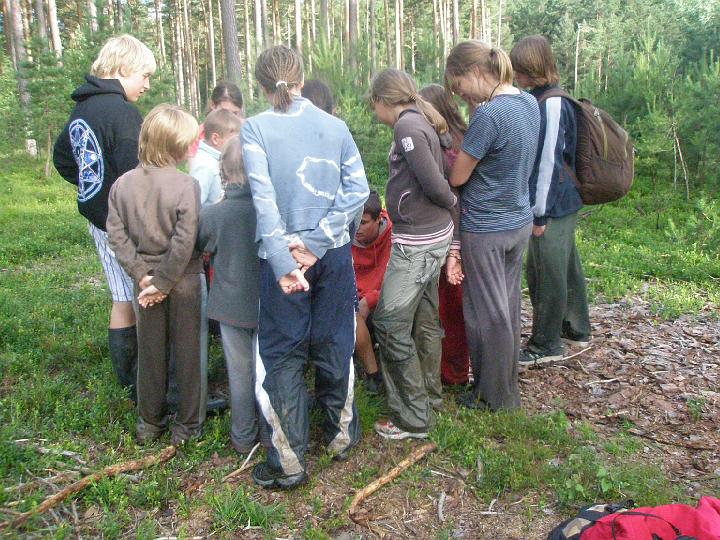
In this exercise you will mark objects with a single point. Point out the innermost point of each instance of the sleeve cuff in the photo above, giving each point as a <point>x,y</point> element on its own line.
<point>317,249</point>
<point>542,220</point>
<point>282,263</point>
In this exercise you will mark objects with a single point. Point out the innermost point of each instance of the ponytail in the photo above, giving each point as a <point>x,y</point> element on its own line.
<point>278,69</point>
<point>474,53</point>
<point>395,87</point>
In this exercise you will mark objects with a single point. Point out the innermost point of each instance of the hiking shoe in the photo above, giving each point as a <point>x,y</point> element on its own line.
<point>267,477</point>
<point>530,358</point>
<point>146,433</point>
<point>388,430</point>
<point>470,401</point>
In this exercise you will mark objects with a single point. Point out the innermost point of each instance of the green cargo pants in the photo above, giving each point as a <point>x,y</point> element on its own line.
<point>557,287</point>
<point>407,327</point>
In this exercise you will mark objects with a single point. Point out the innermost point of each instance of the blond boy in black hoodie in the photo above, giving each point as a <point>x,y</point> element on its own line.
<point>97,145</point>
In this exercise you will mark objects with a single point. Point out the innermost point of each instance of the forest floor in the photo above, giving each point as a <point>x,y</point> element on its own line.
<point>634,416</point>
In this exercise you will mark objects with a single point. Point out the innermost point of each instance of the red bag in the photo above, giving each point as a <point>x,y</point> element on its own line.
<point>667,522</point>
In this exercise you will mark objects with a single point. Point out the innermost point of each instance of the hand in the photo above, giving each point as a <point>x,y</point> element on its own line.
<point>538,230</point>
<point>294,282</point>
<point>150,296</point>
<point>145,282</point>
<point>363,309</point>
<point>453,270</point>
<point>302,255</point>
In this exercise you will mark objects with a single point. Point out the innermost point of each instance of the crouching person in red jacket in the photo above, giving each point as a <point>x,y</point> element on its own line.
<point>371,252</point>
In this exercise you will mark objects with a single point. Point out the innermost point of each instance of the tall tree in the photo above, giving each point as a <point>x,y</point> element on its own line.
<point>298,26</point>
<point>259,27</point>
<point>373,37</point>
<point>41,22</point>
<point>248,48</point>
<point>325,19</point>
<point>211,43</point>
<point>160,31</point>
<point>388,33</point>
<point>456,21</point>
<point>353,35</point>
<point>233,67</point>
<point>16,18</point>
<point>92,15</point>
<point>54,28</point>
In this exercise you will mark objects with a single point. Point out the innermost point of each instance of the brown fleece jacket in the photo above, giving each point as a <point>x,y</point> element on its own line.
<point>152,224</point>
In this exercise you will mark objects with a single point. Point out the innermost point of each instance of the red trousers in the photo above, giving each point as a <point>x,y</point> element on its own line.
<point>455,364</point>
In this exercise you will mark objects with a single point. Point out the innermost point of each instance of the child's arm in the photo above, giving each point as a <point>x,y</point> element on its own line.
<point>416,149</point>
<point>119,240</point>
<point>349,201</point>
<point>204,176</point>
<point>206,236</point>
<point>182,243</point>
<point>270,225</point>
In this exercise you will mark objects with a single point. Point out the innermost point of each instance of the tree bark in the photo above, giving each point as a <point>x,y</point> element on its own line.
<point>353,35</point>
<point>398,34</point>
<point>211,43</point>
<point>8,33</point>
<point>233,68</point>
<point>18,38</point>
<point>259,27</point>
<point>298,26</point>
<point>499,27</point>
<point>456,21</point>
<point>277,30</point>
<point>248,49</point>
<point>373,37</point>
<point>54,28</point>
<point>92,15</point>
<point>41,22</point>
<point>474,20</point>
<point>159,30</point>
<point>325,19</point>
<point>388,34</point>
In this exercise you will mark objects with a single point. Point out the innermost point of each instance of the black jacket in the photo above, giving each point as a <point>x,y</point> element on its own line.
<point>98,144</point>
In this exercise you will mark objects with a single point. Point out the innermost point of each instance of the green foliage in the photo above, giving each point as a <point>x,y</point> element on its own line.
<point>10,112</point>
<point>236,508</point>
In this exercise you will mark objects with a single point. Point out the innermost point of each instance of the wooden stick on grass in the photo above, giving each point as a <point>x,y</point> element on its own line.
<point>81,484</point>
<point>368,490</point>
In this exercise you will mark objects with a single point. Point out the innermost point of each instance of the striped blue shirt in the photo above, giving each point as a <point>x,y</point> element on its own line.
<point>503,134</point>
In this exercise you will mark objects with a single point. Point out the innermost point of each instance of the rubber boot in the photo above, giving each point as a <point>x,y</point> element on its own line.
<point>123,355</point>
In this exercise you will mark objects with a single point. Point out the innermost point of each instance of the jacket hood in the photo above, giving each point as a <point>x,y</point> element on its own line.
<point>95,86</point>
<point>236,191</point>
<point>385,231</point>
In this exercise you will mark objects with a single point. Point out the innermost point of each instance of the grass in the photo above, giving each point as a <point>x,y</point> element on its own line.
<point>57,388</point>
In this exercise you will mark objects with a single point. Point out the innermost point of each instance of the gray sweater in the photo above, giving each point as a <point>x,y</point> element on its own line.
<point>227,232</point>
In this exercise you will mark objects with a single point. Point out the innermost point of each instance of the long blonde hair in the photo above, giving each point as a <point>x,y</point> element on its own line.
<point>278,69</point>
<point>395,87</point>
<point>477,54</point>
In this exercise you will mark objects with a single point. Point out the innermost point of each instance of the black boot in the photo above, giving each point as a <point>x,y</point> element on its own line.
<point>123,355</point>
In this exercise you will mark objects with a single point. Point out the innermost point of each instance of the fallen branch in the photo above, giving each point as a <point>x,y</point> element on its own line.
<point>81,484</point>
<point>243,467</point>
<point>368,490</point>
<point>586,349</point>
<point>670,443</point>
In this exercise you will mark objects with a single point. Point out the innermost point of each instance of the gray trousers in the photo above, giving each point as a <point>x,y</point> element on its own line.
<point>492,263</point>
<point>240,360</point>
<point>407,328</point>
<point>174,321</point>
<point>557,286</point>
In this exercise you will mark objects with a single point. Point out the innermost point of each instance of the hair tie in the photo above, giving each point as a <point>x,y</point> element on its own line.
<point>277,84</point>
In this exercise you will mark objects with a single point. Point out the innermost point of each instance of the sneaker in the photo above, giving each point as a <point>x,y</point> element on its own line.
<point>146,433</point>
<point>530,358</point>
<point>389,430</point>
<point>577,341</point>
<point>267,477</point>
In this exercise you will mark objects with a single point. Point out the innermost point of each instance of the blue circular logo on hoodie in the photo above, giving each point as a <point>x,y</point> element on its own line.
<point>89,159</point>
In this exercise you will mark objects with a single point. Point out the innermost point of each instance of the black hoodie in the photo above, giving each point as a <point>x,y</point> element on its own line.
<point>98,144</point>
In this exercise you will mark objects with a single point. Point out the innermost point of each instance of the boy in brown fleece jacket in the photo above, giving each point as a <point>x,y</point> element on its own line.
<point>152,225</point>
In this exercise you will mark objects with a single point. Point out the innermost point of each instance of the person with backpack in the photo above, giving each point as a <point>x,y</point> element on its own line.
<point>554,272</point>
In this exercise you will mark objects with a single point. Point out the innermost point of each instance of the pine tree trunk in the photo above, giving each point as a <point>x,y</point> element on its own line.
<point>54,28</point>
<point>248,49</point>
<point>324,20</point>
<point>92,15</point>
<point>233,68</point>
<point>353,36</point>
<point>388,33</point>
<point>373,37</point>
<point>259,27</point>
<point>456,21</point>
<point>265,24</point>
<point>119,14</point>
<point>412,43</point>
<point>499,27</point>
<point>41,22</point>
<point>277,30</point>
<point>442,16</point>
<point>211,43</point>
<point>8,33</point>
<point>298,26</point>
<point>346,27</point>
<point>398,34</point>
<point>160,31</point>
<point>474,20</point>
<point>16,17</point>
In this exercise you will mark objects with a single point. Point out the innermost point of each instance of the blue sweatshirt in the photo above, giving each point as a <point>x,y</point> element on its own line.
<point>307,180</point>
<point>552,190</point>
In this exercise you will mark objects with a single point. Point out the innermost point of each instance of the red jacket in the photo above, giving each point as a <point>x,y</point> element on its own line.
<point>371,261</point>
